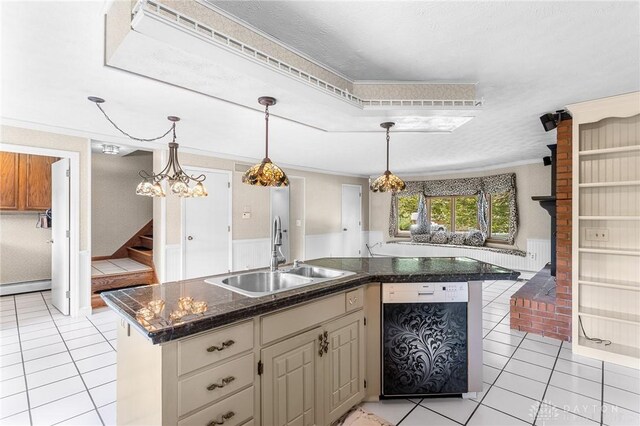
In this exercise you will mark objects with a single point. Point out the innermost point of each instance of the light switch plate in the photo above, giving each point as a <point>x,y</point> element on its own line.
<point>298,222</point>
<point>597,234</point>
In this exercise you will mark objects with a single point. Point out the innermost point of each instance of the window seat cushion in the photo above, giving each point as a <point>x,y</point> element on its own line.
<point>511,251</point>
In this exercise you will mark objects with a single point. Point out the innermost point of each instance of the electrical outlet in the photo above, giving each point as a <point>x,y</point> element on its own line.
<point>597,234</point>
<point>532,256</point>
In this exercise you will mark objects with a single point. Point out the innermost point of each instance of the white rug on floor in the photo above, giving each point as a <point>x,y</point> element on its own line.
<point>360,417</point>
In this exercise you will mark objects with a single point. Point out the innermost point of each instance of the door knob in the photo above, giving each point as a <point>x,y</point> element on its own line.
<point>189,238</point>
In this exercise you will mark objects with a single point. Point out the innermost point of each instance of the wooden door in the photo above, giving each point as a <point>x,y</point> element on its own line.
<point>291,382</point>
<point>9,165</point>
<point>35,181</point>
<point>344,365</point>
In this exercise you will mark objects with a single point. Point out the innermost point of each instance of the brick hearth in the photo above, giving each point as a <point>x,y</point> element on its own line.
<point>538,307</point>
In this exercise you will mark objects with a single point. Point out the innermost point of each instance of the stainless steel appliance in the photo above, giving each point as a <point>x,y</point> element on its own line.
<point>431,339</point>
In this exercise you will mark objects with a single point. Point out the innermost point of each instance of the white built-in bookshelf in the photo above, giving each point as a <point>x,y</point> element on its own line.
<point>606,229</point>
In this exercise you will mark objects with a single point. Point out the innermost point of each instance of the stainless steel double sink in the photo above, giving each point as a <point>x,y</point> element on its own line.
<point>256,284</point>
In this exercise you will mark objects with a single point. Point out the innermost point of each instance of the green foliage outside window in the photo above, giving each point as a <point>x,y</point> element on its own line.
<point>441,212</point>
<point>466,213</point>
<point>500,216</point>
<point>406,206</point>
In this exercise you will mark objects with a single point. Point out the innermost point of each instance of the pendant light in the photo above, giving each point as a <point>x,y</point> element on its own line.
<point>176,177</point>
<point>178,180</point>
<point>387,182</point>
<point>266,173</point>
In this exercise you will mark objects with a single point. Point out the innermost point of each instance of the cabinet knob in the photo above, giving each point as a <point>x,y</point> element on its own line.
<point>224,418</point>
<point>223,383</point>
<point>224,345</point>
<point>190,238</point>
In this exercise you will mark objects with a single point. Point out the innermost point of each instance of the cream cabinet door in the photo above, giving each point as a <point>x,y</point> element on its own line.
<point>291,381</point>
<point>344,365</point>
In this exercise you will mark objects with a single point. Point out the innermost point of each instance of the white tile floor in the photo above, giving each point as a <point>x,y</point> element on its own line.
<point>55,369</point>
<point>60,370</point>
<point>116,266</point>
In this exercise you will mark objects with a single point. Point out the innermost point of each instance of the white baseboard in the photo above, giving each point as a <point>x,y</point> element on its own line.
<point>24,287</point>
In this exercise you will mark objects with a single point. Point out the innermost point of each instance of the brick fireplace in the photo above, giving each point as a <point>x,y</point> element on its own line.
<point>543,305</point>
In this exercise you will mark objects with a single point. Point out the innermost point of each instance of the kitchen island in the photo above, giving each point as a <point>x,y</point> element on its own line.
<point>190,352</point>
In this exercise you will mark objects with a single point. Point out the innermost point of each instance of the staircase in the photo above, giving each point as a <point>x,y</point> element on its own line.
<point>129,266</point>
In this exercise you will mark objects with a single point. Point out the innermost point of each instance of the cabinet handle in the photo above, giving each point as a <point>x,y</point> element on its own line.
<point>224,418</point>
<point>219,348</point>
<point>224,383</point>
<point>354,300</point>
<point>324,343</point>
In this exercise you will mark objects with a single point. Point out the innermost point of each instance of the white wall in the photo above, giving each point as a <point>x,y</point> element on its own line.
<point>531,179</point>
<point>25,254</point>
<point>117,213</point>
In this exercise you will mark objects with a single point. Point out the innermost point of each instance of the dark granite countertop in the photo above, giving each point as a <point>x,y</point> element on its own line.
<point>224,306</point>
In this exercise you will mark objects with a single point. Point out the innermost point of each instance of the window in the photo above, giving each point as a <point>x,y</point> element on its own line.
<point>439,210</point>
<point>455,214</point>
<point>466,216</point>
<point>406,206</point>
<point>499,216</point>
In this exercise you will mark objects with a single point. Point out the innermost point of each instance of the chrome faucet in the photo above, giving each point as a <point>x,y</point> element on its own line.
<point>277,258</point>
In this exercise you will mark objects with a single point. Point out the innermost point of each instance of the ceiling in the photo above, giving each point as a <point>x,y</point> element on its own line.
<point>528,58</point>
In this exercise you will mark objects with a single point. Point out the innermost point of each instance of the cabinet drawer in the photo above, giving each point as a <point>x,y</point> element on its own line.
<point>201,389</point>
<point>354,299</point>
<point>233,410</point>
<point>215,346</point>
<point>297,319</point>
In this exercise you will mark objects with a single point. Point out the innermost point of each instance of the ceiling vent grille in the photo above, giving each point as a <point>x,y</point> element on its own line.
<point>254,54</point>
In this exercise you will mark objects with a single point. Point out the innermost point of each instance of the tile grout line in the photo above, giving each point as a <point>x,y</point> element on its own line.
<point>77,369</point>
<point>70,377</point>
<point>492,384</point>
<point>547,387</point>
<point>602,395</point>
<point>498,376</point>
<point>81,414</point>
<point>103,336</point>
<point>24,372</point>
<point>410,411</point>
<point>505,315</point>
<point>440,414</point>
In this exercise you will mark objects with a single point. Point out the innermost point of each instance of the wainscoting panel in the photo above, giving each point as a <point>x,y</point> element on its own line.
<point>84,284</point>
<point>173,260</point>
<point>538,254</point>
<point>251,253</point>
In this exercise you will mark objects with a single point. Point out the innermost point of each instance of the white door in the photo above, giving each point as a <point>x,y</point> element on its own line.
<point>60,254</point>
<point>207,228</point>
<point>280,207</point>
<point>351,220</point>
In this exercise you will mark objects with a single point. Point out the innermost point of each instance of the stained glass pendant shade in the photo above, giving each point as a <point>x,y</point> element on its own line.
<point>387,182</point>
<point>266,173</point>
